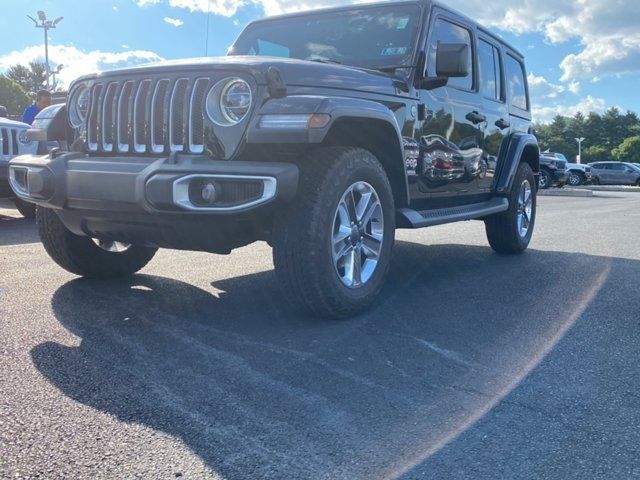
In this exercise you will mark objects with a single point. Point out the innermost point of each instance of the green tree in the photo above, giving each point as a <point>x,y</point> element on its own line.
<point>628,151</point>
<point>595,153</point>
<point>31,77</point>
<point>13,96</point>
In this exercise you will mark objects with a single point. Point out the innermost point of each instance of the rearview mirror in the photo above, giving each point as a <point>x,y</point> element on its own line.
<point>452,60</point>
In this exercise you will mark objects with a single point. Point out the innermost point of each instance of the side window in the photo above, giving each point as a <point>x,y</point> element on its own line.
<point>490,78</point>
<point>617,167</point>
<point>447,32</point>
<point>516,83</point>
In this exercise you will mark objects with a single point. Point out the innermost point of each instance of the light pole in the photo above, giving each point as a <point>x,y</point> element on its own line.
<point>56,72</point>
<point>46,25</point>
<point>580,140</point>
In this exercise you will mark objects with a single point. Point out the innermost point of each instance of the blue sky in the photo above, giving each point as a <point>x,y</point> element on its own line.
<point>570,68</point>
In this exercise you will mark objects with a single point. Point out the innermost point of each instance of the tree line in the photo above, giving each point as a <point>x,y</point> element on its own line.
<point>20,81</point>
<point>611,135</point>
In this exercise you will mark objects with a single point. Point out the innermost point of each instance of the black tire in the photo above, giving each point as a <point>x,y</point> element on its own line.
<point>595,181</point>
<point>26,209</point>
<point>502,229</point>
<point>545,179</point>
<point>302,237</point>
<point>575,179</point>
<point>81,256</point>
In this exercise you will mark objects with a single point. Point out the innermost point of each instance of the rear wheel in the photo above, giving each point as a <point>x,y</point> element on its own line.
<point>545,180</point>
<point>511,231</point>
<point>332,248</point>
<point>89,257</point>
<point>26,209</point>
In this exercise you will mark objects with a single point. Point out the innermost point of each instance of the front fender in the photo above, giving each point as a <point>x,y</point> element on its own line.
<point>335,107</point>
<point>517,147</point>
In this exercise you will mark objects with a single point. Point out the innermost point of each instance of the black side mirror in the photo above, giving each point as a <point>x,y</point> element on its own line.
<point>452,60</point>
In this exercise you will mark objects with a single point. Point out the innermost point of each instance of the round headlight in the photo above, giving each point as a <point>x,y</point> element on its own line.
<point>79,106</point>
<point>22,137</point>
<point>229,101</point>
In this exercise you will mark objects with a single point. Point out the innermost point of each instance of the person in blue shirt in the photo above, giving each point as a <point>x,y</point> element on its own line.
<point>43,100</point>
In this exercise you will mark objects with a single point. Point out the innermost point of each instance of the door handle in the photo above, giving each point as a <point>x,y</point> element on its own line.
<point>502,124</point>
<point>475,117</point>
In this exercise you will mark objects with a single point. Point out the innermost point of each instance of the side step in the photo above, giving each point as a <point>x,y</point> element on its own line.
<point>439,216</point>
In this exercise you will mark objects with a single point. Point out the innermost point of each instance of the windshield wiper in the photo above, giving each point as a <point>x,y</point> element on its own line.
<point>325,60</point>
<point>393,68</point>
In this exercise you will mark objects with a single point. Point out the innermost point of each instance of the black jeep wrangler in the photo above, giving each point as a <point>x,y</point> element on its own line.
<point>320,133</point>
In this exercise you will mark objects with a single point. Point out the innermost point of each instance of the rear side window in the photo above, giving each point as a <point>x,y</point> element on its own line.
<point>516,83</point>
<point>490,78</point>
<point>447,32</point>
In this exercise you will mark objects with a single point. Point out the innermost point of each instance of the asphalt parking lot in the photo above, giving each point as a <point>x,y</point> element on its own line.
<point>472,365</point>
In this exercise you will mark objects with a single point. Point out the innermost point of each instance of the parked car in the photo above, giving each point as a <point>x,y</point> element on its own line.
<point>615,173</point>
<point>578,174</point>
<point>553,170</point>
<point>13,142</point>
<point>320,133</point>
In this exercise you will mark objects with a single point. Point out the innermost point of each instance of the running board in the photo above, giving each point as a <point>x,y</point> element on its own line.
<point>439,216</point>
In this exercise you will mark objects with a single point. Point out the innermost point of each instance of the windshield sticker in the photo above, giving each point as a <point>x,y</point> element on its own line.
<point>402,23</point>
<point>391,51</point>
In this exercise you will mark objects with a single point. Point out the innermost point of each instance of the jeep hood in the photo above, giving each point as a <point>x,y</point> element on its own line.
<point>295,73</point>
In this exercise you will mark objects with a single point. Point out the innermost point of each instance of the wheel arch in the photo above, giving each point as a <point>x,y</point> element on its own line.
<point>381,139</point>
<point>517,148</point>
<point>354,122</point>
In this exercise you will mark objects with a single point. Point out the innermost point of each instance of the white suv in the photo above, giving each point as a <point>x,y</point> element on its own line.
<point>13,142</point>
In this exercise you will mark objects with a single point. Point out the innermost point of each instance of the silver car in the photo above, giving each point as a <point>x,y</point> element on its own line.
<point>615,173</point>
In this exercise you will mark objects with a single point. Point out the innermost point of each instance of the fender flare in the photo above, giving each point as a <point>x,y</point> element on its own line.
<point>338,108</point>
<point>512,151</point>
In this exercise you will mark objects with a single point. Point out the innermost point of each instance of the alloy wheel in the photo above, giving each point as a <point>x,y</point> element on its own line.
<point>358,231</point>
<point>574,179</point>
<point>525,209</point>
<point>112,246</point>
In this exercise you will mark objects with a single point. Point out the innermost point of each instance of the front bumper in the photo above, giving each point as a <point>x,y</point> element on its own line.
<point>148,201</point>
<point>560,177</point>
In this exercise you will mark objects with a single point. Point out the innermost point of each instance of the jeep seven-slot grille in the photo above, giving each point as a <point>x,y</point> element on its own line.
<point>8,142</point>
<point>152,116</point>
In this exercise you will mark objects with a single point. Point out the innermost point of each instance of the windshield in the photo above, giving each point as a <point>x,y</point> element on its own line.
<point>367,37</point>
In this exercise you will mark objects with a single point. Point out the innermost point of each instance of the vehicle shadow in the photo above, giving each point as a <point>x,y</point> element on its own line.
<point>259,391</point>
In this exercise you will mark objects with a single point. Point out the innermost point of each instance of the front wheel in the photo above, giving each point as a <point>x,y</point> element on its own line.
<point>89,257</point>
<point>511,230</point>
<point>332,247</point>
<point>575,179</point>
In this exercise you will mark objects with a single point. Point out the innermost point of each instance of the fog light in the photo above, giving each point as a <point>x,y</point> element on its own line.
<point>203,192</point>
<point>208,193</point>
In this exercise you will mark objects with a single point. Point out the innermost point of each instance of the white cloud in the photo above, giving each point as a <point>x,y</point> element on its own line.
<point>545,113</point>
<point>173,21</point>
<point>77,62</point>
<point>540,88</point>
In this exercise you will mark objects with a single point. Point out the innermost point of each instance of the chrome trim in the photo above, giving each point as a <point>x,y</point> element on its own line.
<point>193,146</point>
<point>107,147</point>
<point>181,192</point>
<point>139,147</point>
<point>157,147</point>
<point>92,123</point>
<point>124,147</point>
<point>173,147</point>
